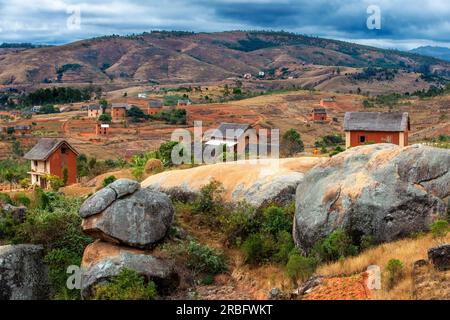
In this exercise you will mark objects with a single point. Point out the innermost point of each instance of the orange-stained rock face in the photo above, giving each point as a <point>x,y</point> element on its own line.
<point>242,180</point>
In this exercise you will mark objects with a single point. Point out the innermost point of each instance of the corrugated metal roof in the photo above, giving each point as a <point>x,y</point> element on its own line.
<point>376,121</point>
<point>320,110</point>
<point>45,147</point>
<point>236,129</point>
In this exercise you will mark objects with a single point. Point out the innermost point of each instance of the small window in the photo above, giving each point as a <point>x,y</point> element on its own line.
<point>63,149</point>
<point>35,163</point>
<point>362,139</point>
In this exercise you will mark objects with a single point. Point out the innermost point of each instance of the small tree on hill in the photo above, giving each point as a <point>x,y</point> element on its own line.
<point>292,143</point>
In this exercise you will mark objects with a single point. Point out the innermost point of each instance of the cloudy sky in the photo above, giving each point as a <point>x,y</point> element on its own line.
<point>404,24</point>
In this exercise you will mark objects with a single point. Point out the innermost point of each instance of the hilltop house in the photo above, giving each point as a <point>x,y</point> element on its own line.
<point>154,106</point>
<point>22,129</point>
<point>376,127</point>
<point>235,136</point>
<point>94,111</point>
<point>54,157</point>
<point>36,109</point>
<point>319,114</point>
<point>119,111</point>
<point>142,95</point>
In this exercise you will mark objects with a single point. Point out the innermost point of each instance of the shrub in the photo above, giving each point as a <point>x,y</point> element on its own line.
<point>105,117</point>
<point>5,198</point>
<point>209,201</point>
<point>108,180</point>
<point>276,220</point>
<point>55,182</point>
<point>284,246</point>
<point>57,226</point>
<point>7,228</point>
<point>127,285</point>
<point>367,242</point>
<point>300,268</point>
<point>165,153</point>
<point>439,229</point>
<point>394,270</point>
<point>237,224</point>
<point>258,248</point>
<point>22,199</point>
<point>203,259</point>
<point>334,247</point>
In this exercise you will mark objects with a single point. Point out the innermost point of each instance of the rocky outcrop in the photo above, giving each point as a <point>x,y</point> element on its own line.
<point>100,200</point>
<point>17,213</point>
<point>102,260</point>
<point>128,224</point>
<point>381,190</point>
<point>139,220</point>
<point>440,257</point>
<point>257,182</point>
<point>23,275</point>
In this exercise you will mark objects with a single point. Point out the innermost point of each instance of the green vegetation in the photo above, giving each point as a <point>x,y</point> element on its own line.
<point>108,180</point>
<point>91,167</point>
<point>337,245</point>
<point>52,221</point>
<point>394,270</point>
<point>105,117</point>
<point>137,114</point>
<point>372,73</point>
<point>12,171</point>
<point>292,143</point>
<point>127,285</point>
<point>440,229</point>
<point>300,268</point>
<point>176,116</point>
<point>57,95</point>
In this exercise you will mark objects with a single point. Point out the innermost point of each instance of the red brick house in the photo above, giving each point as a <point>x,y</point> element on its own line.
<point>376,127</point>
<point>52,157</point>
<point>94,111</point>
<point>319,114</point>
<point>102,129</point>
<point>154,107</point>
<point>119,111</point>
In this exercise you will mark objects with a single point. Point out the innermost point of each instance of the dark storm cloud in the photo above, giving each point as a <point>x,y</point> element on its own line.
<point>404,23</point>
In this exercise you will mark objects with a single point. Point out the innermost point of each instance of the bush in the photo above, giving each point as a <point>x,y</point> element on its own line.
<point>439,229</point>
<point>108,180</point>
<point>203,259</point>
<point>8,228</point>
<point>300,268</point>
<point>105,117</point>
<point>394,270</point>
<point>334,247</point>
<point>284,246</point>
<point>367,242</point>
<point>210,201</point>
<point>276,220</point>
<point>5,198</point>
<point>57,226</point>
<point>165,153</point>
<point>258,248</point>
<point>22,199</point>
<point>238,223</point>
<point>127,285</point>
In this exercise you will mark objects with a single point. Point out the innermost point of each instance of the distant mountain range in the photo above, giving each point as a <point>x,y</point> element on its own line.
<point>436,52</point>
<point>195,57</point>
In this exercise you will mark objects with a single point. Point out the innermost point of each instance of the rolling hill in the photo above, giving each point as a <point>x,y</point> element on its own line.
<point>436,52</point>
<point>175,57</point>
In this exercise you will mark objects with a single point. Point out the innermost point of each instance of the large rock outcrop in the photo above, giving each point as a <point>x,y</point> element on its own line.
<point>102,260</point>
<point>382,190</point>
<point>126,219</point>
<point>257,183</point>
<point>23,274</point>
<point>440,257</point>
<point>139,220</point>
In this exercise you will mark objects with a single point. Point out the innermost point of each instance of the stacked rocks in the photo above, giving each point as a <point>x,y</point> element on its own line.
<point>128,222</point>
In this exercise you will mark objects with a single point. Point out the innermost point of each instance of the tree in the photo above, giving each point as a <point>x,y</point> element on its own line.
<point>165,152</point>
<point>103,105</point>
<point>105,117</point>
<point>292,142</point>
<point>137,114</point>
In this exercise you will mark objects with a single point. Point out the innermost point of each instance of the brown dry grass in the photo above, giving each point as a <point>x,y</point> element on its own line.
<point>407,250</point>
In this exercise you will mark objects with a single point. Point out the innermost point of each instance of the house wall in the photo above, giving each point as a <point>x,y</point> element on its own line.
<point>118,114</point>
<point>95,113</point>
<point>352,138</point>
<point>58,161</point>
<point>319,117</point>
<point>153,110</point>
